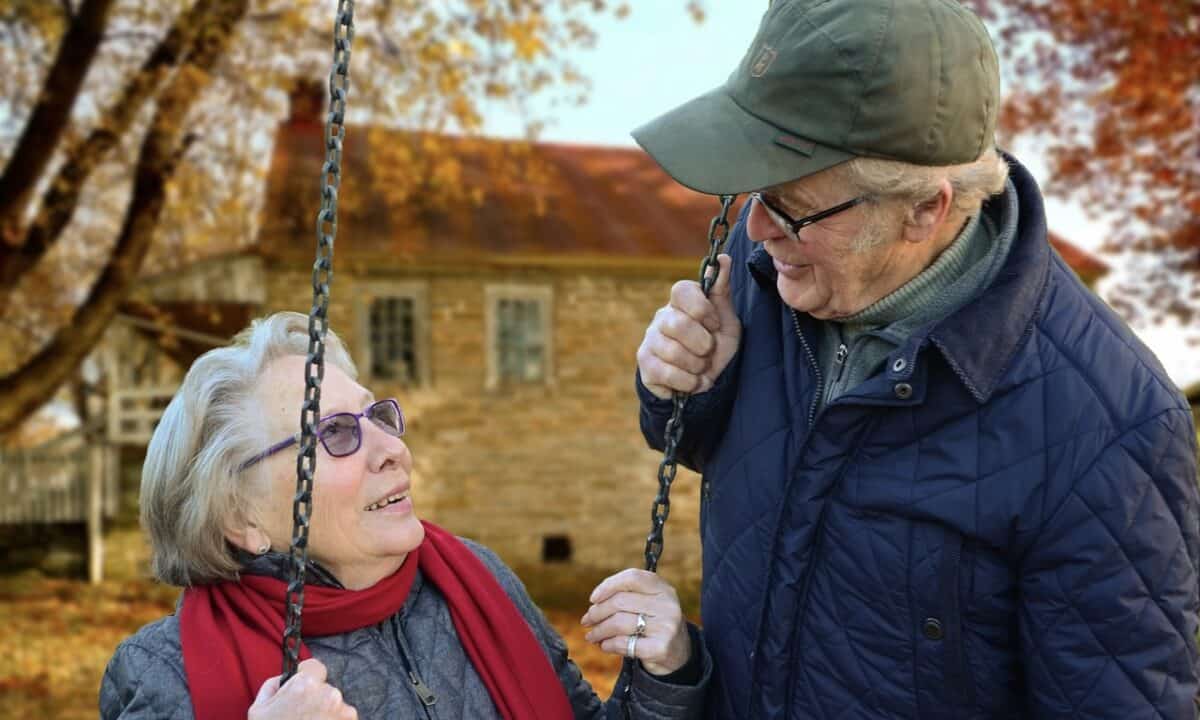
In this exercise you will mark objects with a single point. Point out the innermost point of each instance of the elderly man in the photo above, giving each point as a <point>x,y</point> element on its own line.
<point>941,479</point>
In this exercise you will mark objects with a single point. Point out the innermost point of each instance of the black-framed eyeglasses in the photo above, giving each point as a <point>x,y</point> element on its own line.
<point>793,226</point>
<point>341,434</point>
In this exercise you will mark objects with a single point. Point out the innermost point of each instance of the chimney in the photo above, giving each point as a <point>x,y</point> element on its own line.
<point>307,104</point>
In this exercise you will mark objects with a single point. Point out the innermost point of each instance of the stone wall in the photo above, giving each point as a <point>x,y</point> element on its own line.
<point>513,466</point>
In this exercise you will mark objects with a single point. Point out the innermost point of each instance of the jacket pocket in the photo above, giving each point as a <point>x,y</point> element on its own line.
<point>956,670</point>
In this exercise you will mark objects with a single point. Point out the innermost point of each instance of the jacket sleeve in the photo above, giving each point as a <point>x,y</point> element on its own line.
<point>652,699</point>
<point>704,418</point>
<point>1109,594</point>
<point>139,684</point>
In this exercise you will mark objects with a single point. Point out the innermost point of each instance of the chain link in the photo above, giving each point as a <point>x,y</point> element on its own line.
<point>318,324</point>
<point>718,231</point>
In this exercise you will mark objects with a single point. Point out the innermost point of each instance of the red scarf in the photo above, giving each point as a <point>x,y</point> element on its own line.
<point>231,632</point>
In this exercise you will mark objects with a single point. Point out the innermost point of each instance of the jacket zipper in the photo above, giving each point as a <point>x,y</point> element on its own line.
<point>424,694</point>
<point>812,361</point>
<point>818,531</point>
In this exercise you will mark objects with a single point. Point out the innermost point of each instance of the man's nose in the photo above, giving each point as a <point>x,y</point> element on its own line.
<point>759,225</point>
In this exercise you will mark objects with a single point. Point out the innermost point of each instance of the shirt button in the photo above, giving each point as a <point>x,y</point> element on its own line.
<point>932,628</point>
<point>903,390</point>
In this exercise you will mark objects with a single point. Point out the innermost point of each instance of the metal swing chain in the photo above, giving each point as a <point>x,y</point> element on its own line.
<point>318,324</point>
<point>718,231</point>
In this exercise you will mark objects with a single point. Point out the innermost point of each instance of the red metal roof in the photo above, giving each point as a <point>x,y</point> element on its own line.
<point>1088,266</point>
<point>583,201</point>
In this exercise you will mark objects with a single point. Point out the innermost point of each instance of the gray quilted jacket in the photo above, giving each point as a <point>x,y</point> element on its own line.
<point>145,677</point>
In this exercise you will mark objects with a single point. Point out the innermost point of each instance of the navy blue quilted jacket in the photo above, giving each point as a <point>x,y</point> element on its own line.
<point>1003,523</point>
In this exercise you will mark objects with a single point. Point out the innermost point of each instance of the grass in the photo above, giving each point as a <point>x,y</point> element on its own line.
<point>60,633</point>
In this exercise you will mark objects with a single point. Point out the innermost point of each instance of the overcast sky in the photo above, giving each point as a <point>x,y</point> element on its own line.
<point>657,58</point>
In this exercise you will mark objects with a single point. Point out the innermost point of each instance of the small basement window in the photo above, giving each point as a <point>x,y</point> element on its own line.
<point>556,549</point>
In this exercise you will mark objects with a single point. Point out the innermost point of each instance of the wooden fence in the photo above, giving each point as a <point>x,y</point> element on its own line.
<point>71,479</point>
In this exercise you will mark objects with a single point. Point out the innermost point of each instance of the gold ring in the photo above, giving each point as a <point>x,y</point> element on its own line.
<point>640,630</point>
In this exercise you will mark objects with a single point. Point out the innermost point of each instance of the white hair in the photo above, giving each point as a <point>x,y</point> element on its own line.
<point>191,491</point>
<point>972,182</point>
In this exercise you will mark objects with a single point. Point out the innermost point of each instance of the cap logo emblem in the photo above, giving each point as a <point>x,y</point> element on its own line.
<point>766,56</point>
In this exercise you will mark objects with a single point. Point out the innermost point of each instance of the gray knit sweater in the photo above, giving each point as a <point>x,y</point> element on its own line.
<point>145,678</point>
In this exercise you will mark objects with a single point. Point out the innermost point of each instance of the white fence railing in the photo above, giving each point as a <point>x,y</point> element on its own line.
<point>133,413</point>
<point>51,483</point>
<point>67,480</point>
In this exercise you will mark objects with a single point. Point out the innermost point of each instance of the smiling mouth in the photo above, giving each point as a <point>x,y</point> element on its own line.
<point>786,268</point>
<point>389,500</point>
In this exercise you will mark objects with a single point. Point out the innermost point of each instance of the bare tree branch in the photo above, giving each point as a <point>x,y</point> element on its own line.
<point>24,390</point>
<point>50,115</point>
<point>62,194</point>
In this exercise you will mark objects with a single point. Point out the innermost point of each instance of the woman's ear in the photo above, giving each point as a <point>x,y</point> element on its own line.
<point>249,537</point>
<point>925,219</point>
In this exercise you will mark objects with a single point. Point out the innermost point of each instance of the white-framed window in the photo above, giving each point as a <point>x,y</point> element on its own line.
<point>393,330</point>
<point>520,343</point>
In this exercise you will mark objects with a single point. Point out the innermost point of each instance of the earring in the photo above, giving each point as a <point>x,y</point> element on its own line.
<point>262,549</point>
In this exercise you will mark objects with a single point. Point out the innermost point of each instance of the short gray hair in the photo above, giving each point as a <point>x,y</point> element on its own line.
<point>191,490</point>
<point>972,182</point>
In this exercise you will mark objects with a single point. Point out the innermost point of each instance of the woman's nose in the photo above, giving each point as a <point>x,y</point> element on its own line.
<point>384,449</point>
<point>759,225</point>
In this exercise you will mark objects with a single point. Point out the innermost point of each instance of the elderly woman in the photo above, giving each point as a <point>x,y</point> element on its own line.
<point>401,619</point>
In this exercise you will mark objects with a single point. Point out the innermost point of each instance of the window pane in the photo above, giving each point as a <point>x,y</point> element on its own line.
<point>520,352</point>
<point>393,339</point>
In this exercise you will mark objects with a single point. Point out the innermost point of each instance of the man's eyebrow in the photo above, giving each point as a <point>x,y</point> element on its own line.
<point>794,198</point>
<point>800,196</point>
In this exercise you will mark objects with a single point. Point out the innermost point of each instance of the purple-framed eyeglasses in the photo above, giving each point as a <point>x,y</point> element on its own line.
<point>341,433</point>
<point>793,226</point>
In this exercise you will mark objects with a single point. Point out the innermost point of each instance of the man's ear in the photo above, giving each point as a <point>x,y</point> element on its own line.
<point>925,219</point>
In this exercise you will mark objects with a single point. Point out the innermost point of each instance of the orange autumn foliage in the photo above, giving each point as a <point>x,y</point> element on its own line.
<point>1111,88</point>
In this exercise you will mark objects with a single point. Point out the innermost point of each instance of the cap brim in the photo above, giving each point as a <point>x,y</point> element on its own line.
<point>713,146</point>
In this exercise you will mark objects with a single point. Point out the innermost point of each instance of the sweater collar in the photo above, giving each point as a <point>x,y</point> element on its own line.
<point>913,300</point>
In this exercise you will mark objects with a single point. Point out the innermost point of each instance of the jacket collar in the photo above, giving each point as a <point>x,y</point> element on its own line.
<point>279,566</point>
<point>980,339</point>
<point>1003,314</point>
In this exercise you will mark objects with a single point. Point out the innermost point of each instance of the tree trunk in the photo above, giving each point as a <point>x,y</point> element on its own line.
<point>50,115</point>
<point>62,194</point>
<point>26,389</point>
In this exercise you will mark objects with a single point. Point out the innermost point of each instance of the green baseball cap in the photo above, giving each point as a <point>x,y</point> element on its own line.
<point>828,80</point>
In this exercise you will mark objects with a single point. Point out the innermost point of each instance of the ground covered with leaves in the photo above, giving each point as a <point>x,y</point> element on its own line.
<point>58,634</point>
